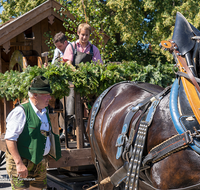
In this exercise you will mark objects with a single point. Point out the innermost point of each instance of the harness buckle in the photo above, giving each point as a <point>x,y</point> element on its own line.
<point>136,108</point>
<point>189,136</point>
<point>120,140</point>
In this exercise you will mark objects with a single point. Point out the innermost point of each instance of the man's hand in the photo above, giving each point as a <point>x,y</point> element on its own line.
<point>70,64</point>
<point>45,65</point>
<point>21,168</point>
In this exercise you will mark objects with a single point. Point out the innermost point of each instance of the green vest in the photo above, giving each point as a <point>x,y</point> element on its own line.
<point>31,143</point>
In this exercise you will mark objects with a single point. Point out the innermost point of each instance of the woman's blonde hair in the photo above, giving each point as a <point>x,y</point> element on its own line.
<point>84,26</point>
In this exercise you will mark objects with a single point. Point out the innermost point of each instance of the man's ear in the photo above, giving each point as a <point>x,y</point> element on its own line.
<point>35,95</point>
<point>65,42</point>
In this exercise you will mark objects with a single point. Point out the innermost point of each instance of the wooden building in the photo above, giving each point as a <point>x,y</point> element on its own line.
<point>22,41</point>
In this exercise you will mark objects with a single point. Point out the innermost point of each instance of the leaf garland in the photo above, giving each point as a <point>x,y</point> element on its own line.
<point>88,79</point>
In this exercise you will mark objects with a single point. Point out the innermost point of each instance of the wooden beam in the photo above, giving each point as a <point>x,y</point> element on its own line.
<point>57,6</point>
<point>38,38</point>
<point>6,47</point>
<point>29,43</point>
<point>44,28</point>
<point>72,157</point>
<point>51,19</point>
<point>79,121</point>
<point>0,62</point>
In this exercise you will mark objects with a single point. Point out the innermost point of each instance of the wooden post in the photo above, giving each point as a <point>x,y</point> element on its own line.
<point>79,121</point>
<point>0,62</point>
<point>65,122</point>
<point>1,118</point>
<point>8,106</point>
<point>1,104</point>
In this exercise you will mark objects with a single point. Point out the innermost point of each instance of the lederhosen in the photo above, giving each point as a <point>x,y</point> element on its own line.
<point>79,57</point>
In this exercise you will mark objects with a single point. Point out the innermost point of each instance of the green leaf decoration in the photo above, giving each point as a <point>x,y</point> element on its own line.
<point>89,79</point>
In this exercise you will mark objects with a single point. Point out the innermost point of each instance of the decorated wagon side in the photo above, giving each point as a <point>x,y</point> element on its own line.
<point>22,44</point>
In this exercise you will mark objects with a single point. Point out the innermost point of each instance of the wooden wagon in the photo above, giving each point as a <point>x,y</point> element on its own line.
<point>22,42</point>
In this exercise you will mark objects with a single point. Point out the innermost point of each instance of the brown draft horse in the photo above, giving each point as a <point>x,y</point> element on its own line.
<point>180,170</point>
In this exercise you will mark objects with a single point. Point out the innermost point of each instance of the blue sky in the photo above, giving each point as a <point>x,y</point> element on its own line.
<point>1,9</point>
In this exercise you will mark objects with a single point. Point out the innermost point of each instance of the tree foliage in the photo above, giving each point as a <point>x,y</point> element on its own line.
<point>13,8</point>
<point>128,23</point>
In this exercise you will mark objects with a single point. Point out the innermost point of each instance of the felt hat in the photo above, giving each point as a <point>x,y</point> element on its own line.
<point>40,85</point>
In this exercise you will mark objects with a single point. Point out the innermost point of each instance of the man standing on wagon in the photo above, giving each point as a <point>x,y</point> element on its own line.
<point>61,43</point>
<point>82,50</point>
<point>29,139</point>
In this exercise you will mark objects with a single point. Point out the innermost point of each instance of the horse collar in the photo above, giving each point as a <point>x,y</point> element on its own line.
<point>183,123</point>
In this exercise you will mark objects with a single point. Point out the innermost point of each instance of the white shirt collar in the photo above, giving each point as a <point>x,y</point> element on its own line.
<point>36,110</point>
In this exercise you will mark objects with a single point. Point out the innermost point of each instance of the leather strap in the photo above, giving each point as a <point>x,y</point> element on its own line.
<point>182,74</point>
<point>129,145</point>
<point>121,173</point>
<point>183,62</point>
<point>174,144</point>
<point>134,165</point>
<point>122,138</point>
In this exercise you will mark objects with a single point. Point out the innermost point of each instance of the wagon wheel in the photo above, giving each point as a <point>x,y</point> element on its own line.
<point>17,61</point>
<point>2,158</point>
<point>21,59</point>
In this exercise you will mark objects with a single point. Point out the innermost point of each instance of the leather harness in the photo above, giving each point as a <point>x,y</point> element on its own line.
<point>148,105</point>
<point>129,172</point>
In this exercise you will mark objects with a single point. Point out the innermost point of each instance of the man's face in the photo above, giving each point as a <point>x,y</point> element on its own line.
<point>61,46</point>
<point>84,36</point>
<point>42,100</point>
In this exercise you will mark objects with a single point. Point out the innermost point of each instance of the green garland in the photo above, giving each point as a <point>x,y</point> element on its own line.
<point>15,84</point>
<point>89,78</point>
